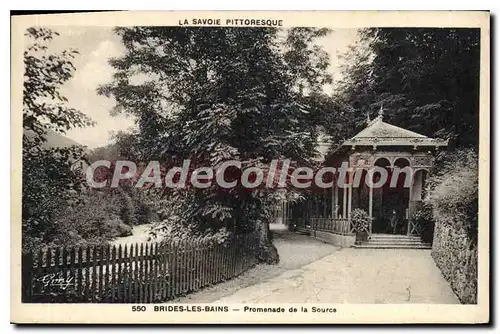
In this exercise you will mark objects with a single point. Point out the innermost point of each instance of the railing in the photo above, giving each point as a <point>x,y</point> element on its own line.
<point>337,226</point>
<point>144,273</point>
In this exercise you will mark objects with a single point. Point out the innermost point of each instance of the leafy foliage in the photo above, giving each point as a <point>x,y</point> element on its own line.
<point>218,94</point>
<point>51,176</point>
<point>307,62</point>
<point>50,182</point>
<point>427,80</point>
<point>425,219</point>
<point>453,192</point>
<point>361,220</point>
<point>96,218</point>
<point>43,105</point>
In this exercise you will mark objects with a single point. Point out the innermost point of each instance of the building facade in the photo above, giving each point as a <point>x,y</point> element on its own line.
<point>405,157</point>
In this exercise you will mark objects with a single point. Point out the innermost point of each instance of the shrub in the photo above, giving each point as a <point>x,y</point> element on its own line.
<point>172,229</point>
<point>94,219</point>
<point>360,220</point>
<point>145,206</point>
<point>453,191</point>
<point>172,226</point>
<point>423,217</point>
<point>117,228</point>
<point>127,205</point>
<point>50,183</point>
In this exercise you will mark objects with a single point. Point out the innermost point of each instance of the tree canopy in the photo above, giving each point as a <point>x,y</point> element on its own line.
<point>218,94</point>
<point>50,180</point>
<point>426,80</point>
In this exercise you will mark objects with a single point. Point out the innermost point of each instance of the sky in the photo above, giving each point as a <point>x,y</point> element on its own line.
<point>96,45</point>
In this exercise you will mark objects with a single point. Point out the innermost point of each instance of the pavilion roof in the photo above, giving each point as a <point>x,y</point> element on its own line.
<point>381,133</point>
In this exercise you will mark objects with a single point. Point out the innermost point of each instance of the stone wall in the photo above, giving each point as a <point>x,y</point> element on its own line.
<point>456,256</point>
<point>335,239</point>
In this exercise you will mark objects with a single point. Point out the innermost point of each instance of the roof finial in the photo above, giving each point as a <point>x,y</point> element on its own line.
<point>368,117</point>
<point>381,111</point>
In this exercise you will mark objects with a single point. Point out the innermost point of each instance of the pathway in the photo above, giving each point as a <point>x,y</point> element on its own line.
<point>140,234</point>
<point>356,276</point>
<point>295,252</point>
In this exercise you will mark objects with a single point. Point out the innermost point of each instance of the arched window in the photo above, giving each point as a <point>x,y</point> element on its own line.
<point>401,162</point>
<point>402,175</point>
<point>382,162</point>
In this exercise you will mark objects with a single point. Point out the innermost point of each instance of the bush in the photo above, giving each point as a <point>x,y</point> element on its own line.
<point>360,220</point>
<point>50,183</point>
<point>127,205</point>
<point>94,219</point>
<point>453,192</point>
<point>145,206</point>
<point>174,227</point>
<point>423,217</point>
<point>170,229</point>
<point>117,228</point>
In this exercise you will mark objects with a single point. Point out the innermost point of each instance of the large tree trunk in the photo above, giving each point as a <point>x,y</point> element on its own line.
<point>266,252</point>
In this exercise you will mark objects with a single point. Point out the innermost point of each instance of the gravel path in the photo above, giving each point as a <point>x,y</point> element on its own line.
<point>375,276</point>
<point>295,251</point>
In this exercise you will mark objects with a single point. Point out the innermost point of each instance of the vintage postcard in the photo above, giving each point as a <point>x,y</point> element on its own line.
<point>250,167</point>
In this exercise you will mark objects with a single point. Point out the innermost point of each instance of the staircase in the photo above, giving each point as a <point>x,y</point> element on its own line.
<point>394,241</point>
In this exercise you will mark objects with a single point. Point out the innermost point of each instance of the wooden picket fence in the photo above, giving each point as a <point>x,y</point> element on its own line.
<point>140,273</point>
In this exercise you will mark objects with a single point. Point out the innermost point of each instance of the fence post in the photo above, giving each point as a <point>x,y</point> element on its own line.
<point>88,267</point>
<point>142,274</point>
<point>79,272</point>
<point>112,273</point>
<point>27,277</point>
<point>93,289</point>
<point>171,269</point>
<point>136,274</point>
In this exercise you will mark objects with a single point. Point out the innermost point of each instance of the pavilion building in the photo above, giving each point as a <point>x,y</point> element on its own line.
<point>406,156</point>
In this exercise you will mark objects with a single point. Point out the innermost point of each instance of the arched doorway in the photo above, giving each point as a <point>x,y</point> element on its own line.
<point>391,197</point>
<point>380,222</point>
<point>398,195</point>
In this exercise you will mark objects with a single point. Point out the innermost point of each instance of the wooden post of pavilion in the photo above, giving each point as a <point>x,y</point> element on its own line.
<point>344,202</point>
<point>337,205</point>
<point>334,199</point>
<point>370,205</point>
<point>410,191</point>
<point>349,205</point>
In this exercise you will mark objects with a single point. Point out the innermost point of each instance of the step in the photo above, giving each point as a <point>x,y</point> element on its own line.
<point>394,237</point>
<point>395,241</point>
<point>393,246</point>
<point>410,242</point>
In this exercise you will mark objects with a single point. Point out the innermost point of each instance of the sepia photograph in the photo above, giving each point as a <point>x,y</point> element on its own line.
<point>250,165</point>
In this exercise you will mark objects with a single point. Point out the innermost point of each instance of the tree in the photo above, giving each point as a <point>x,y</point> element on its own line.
<point>50,183</point>
<point>50,179</point>
<point>426,80</point>
<point>43,105</point>
<point>218,94</point>
<point>354,95</point>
